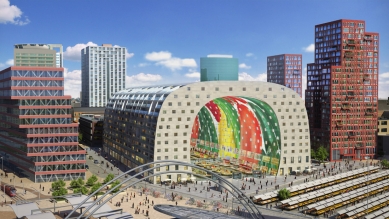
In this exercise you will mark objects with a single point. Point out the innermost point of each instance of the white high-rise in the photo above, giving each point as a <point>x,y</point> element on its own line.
<point>103,71</point>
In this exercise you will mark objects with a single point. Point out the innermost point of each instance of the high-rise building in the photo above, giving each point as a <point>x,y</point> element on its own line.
<point>37,136</point>
<point>219,68</point>
<point>103,73</point>
<point>38,55</point>
<point>342,88</point>
<point>285,69</point>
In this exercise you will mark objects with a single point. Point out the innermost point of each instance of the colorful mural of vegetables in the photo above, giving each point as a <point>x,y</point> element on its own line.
<point>239,128</point>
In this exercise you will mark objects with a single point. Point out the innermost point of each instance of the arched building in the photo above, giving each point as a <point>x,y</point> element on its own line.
<point>228,126</point>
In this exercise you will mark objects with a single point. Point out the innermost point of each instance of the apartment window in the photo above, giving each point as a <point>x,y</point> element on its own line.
<point>166,142</point>
<point>170,104</point>
<point>292,160</point>
<point>274,96</point>
<point>186,96</point>
<point>203,88</point>
<point>184,141</point>
<point>167,167</point>
<point>177,126</point>
<point>230,89</point>
<point>166,134</point>
<point>158,157</point>
<point>292,151</point>
<point>175,142</point>
<point>299,159</point>
<point>191,111</point>
<point>307,159</point>
<point>170,119</point>
<point>179,118</point>
<point>185,167</point>
<point>166,149</point>
<point>187,118</point>
<point>175,96</point>
<point>168,127</point>
<point>188,88</point>
<point>257,89</point>
<point>158,169</point>
<point>208,96</point>
<point>175,157</point>
<point>179,103</point>
<point>270,89</point>
<point>284,160</point>
<point>158,142</point>
<point>197,96</point>
<point>216,89</point>
<point>197,104</point>
<point>188,103</point>
<point>176,167</point>
<point>158,150</point>
<point>162,119</point>
<point>265,96</point>
<point>284,96</point>
<point>160,127</point>
<point>173,111</point>
<point>159,135</point>
<point>244,89</point>
<point>285,152</point>
<point>164,112</point>
<point>285,144</point>
<point>185,156</point>
<point>182,111</point>
<point>185,133</point>
<point>185,149</point>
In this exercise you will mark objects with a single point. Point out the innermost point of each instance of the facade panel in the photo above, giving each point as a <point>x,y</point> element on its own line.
<point>219,68</point>
<point>38,138</point>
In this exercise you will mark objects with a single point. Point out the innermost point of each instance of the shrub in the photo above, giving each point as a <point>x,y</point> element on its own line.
<point>283,194</point>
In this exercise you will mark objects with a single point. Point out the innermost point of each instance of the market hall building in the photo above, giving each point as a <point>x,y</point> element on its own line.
<point>226,126</point>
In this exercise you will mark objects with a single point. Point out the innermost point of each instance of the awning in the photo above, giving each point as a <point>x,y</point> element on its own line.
<point>22,210</point>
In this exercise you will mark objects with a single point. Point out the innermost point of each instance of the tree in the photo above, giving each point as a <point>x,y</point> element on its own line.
<point>95,187</point>
<point>83,190</point>
<point>77,183</point>
<point>321,154</point>
<point>313,154</point>
<point>117,182</point>
<point>91,180</point>
<point>283,194</point>
<point>109,178</point>
<point>58,188</point>
<point>385,163</point>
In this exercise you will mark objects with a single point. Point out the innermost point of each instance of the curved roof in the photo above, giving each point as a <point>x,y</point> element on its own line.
<point>142,100</point>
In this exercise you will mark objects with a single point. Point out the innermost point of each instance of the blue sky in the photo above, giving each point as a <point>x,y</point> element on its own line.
<point>165,39</point>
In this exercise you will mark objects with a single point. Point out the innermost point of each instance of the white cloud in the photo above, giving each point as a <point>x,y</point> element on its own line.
<point>249,54</point>
<point>243,76</point>
<point>72,82</point>
<point>310,48</point>
<point>74,52</point>
<point>177,63</point>
<point>143,64</point>
<point>8,63</point>
<point>11,14</point>
<point>158,56</point>
<point>193,75</point>
<point>383,86</point>
<point>165,58</point>
<point>244,66</point>
<point>142,79</point>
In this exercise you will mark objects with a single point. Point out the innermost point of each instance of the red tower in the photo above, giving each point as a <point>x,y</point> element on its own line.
<point>342,89</point>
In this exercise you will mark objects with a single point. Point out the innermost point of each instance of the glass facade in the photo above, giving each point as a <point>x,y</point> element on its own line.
<point>38,138</point>
<point>219,69</point>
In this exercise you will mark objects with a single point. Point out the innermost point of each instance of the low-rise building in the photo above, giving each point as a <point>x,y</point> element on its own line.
<point>77,112</point>
<point>90,130</point>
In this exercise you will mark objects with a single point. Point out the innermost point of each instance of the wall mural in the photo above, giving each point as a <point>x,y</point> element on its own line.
<point>236,134</point>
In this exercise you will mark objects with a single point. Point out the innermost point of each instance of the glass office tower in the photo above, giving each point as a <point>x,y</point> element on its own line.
<point>219,68</point>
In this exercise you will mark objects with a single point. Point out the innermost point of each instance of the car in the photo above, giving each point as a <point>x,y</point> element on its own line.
<point>86,167</point>
<point>96,161</point>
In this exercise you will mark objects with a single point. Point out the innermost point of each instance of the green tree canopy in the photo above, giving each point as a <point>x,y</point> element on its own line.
<point>283,194</point>
<point>95,187</point>
<point>77,183</point>
<point>58,188</point>
<point>83,190</point>
<point>91,180</point>
<point>313,154</point>
<point>117,182</point>
<point>385,163</point>
<point>109,178</point>
<point>321,154</point>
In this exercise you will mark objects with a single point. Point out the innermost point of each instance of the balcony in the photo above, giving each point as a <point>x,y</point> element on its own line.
<point>366,77</point>
<point>351,134</point>
<point>351,42</point>
<point>339,123</point>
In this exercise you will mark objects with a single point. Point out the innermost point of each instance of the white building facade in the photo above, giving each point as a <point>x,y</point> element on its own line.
<point>103,73</point>
<point>233,125</point>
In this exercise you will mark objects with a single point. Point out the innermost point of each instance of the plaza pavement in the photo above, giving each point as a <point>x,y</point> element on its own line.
<point>198,191</point>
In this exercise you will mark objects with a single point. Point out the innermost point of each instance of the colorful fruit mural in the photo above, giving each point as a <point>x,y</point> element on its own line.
<point>239,132</point>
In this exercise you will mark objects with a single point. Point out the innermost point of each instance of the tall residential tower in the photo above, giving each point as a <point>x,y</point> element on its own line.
<point>103,73</point>
<point>342,89</point>
<point>285,69</point>
<point>38,55</point>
